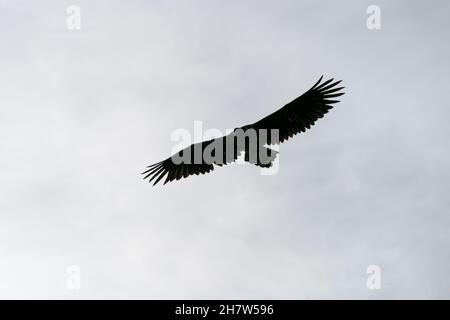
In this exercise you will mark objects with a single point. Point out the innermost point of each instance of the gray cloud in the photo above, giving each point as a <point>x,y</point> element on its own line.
<point>83,112</point>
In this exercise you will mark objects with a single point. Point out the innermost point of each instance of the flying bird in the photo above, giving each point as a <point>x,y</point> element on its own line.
<point>294,117</point>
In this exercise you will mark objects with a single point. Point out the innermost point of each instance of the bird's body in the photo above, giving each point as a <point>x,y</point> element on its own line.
<point>253,139</point>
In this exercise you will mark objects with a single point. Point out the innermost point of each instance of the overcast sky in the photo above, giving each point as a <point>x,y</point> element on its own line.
<point>82,112</point>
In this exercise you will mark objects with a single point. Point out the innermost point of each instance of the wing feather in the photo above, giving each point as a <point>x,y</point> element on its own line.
<point>302,113</point>
<point>176,171</point>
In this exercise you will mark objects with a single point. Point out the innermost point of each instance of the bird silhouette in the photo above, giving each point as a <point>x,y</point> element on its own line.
<point>295,117</point>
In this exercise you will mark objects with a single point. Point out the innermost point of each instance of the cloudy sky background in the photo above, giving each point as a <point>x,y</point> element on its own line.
<point>83,112</point>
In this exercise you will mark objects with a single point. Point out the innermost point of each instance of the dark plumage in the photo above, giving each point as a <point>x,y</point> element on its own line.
<point>295,117</point>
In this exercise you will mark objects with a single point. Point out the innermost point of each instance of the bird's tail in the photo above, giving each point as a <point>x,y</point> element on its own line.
<point>265,157</point>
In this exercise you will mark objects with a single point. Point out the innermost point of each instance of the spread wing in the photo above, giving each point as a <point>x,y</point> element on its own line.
<point>296,116</point>
<point>174,169</point>
<point>301,113</point>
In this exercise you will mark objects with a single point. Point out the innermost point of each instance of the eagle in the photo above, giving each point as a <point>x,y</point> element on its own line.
<point>253,140</point>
